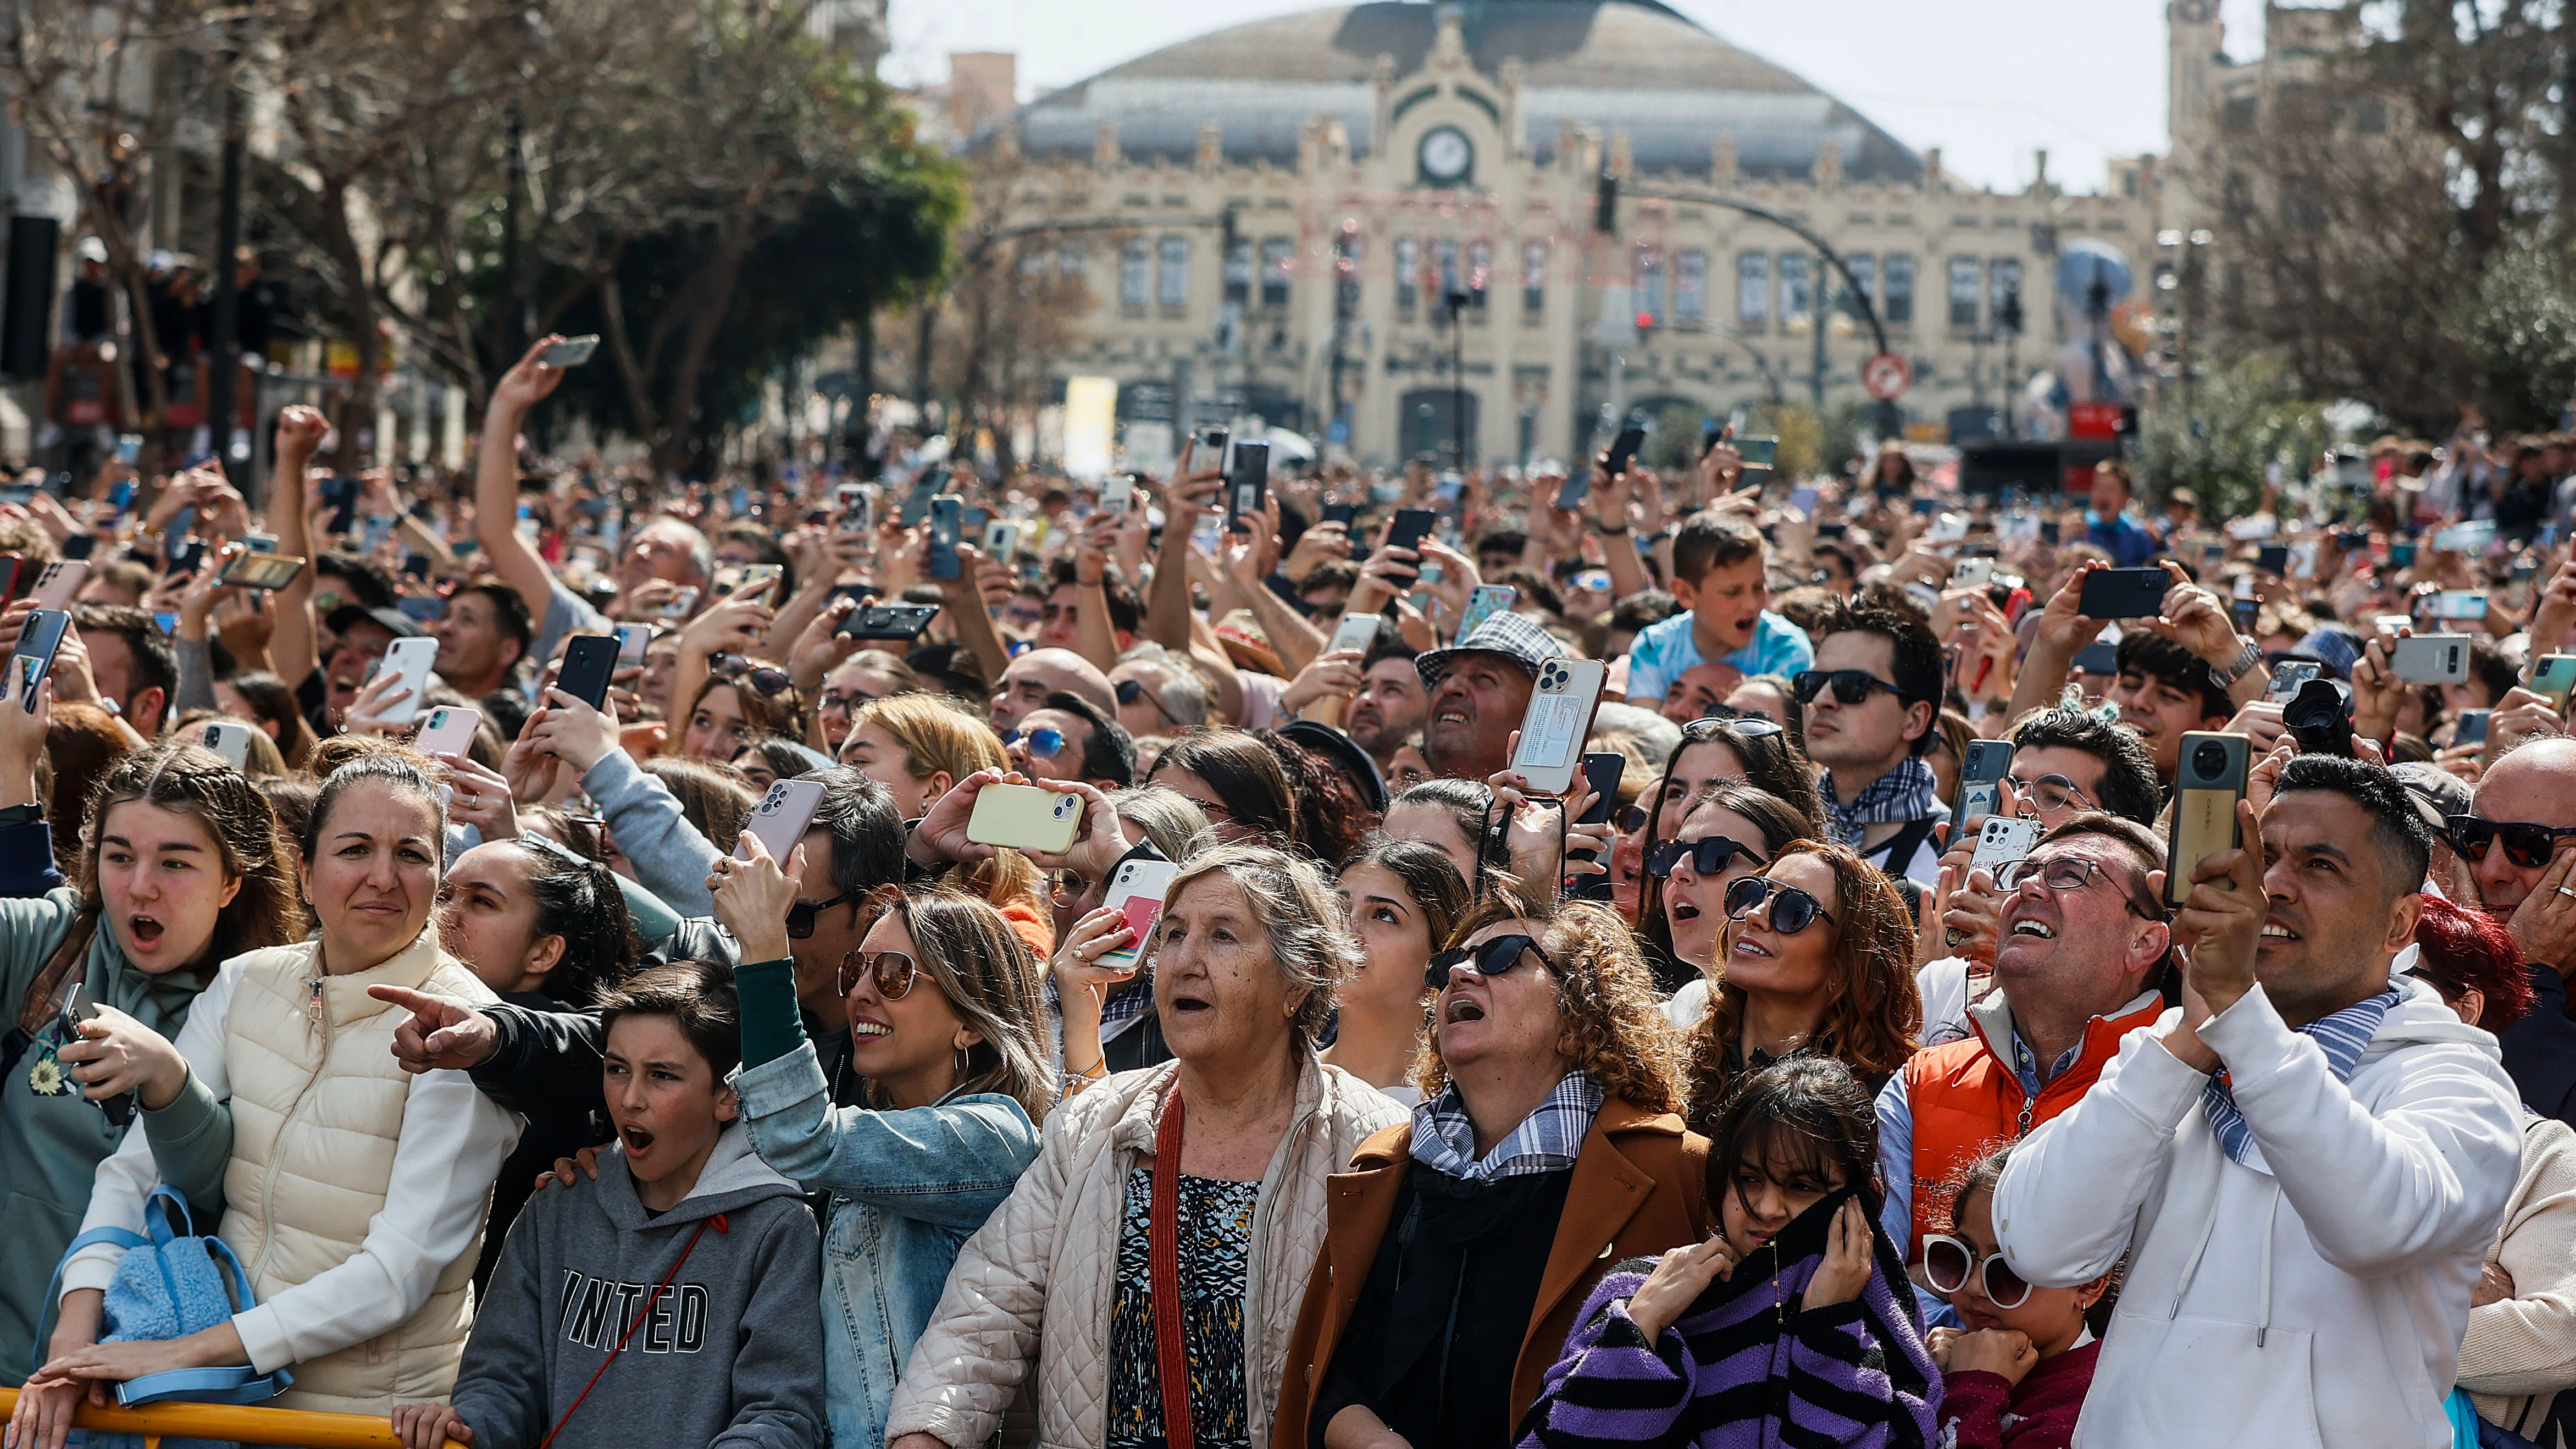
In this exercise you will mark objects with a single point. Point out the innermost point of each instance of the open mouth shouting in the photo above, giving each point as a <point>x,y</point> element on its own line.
<point>1462,1008</point>
<point>145,932</point>
<point>1187,1004</point>
<point>638,1141</point>
<point>1680,909</point>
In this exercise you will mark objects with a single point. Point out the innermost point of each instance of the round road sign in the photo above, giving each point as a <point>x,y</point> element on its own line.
<point>1886,376</point>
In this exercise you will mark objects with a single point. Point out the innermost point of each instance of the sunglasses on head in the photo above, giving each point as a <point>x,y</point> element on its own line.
<point>1708,855</point>
<point>801,916</point>
<point>1493,958</point>
<point>1043,743</point>
<point>2525,844</point>
<point>1752,724</point>
<point>895,973</point>
<point>1792,910</point>
<point>1948,1261</point>
<point>734,669</point>
<point>1850,686</point>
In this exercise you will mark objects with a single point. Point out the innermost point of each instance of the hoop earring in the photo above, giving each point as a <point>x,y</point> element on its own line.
<point>963,1064</point>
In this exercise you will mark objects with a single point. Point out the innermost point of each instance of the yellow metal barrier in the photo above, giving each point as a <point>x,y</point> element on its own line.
<point>241,1425</point>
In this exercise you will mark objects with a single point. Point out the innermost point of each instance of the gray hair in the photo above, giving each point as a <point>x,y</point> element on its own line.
<point>1170,819</point>
<point>1295,906</point>
<point>702,554</point>
<point>1640,733</point>
<point>1186,696</point>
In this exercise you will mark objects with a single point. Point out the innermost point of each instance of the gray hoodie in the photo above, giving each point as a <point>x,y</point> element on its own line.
<point>730,1354</point>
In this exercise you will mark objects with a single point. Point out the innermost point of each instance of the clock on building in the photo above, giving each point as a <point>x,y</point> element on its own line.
<point>1446,155</point>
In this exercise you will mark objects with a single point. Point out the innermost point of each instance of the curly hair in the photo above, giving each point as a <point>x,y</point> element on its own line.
<point>1332,821</point>
<point>2460,950</point>
<point>1874,1011</point>
<point>1612,1021</point>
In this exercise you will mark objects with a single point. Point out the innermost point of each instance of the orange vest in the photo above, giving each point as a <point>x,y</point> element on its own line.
<point>1967,1100</point>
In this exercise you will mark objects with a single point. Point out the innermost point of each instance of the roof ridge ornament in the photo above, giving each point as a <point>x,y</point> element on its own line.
<point>1449,43</point>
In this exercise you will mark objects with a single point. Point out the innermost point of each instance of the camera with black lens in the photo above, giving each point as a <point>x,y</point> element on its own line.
<point>2319,717</point>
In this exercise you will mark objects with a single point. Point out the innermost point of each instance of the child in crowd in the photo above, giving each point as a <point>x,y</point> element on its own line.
<point>1719,580</point>
<point>2015,1376</point>
<point>1787,1325</point>
<point>669,1301</point>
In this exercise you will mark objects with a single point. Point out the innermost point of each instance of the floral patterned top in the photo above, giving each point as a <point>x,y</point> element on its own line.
<point>1216,1244</point>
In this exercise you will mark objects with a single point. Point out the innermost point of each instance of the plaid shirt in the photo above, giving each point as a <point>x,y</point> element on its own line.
<point>1548,1139</point>
<point>1904,793</point>
<point>2342,1036</point>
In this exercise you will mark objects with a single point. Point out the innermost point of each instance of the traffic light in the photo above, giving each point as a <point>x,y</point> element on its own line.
<point>1605,205</point>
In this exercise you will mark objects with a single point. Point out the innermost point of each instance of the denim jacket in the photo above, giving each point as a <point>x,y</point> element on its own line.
<point>907,1189</point>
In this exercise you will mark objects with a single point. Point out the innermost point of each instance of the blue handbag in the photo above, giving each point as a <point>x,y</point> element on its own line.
<point>169,1285</point>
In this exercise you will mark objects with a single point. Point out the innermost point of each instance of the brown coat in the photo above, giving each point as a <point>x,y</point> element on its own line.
<point>1640,1188</point>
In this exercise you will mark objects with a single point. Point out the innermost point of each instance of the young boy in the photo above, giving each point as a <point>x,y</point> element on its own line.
<point>1718,577</point>
<point>686,1249</point>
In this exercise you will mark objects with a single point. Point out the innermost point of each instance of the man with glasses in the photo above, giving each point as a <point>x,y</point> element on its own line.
<point>533,1060</point>
<point>1071,739</point>
<point>1872,707</point>
<point>2303,1164</point>
<point>2519,844</point>
<point>2083,946</point>
<point>1159,692</point>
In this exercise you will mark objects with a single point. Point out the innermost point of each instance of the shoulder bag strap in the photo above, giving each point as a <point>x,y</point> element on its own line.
<point>113,1237</point>
<point>718,1221</point>
<point>1171,1355</point>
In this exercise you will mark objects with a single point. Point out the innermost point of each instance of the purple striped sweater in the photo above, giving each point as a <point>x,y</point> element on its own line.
<point>1746,1366</point>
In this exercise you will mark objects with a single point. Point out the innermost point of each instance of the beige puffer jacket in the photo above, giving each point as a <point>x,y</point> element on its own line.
<point>317,1109</point>
<point>1037,1281</point>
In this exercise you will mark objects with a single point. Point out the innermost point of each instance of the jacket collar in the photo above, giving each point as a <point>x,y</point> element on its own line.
<point>1142,1116</point>
<point>1991,1018</point>
<point>345,998</point>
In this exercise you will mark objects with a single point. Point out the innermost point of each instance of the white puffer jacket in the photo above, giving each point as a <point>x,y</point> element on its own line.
<point>1038,1280</point>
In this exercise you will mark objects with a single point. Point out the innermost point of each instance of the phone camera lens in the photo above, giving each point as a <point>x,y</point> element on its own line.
<point>2209,760</point>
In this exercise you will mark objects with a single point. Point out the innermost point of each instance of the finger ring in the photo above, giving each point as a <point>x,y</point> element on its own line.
<point>2564,891</point>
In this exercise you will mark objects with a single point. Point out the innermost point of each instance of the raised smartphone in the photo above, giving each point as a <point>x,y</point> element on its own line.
<point>411,659</point>
<point>947,521</point>
<point>1409,527</point>
<point>589,659</point>
<point>1355,633</point>
<point>1602,770</point>
<point>2287,676</point>
<point>1972,573</point>
<point>1980,778</point>
<point>61,579</point>
<point>261,570</point>
<point>632,641</point>
<point>1487,601</point>
<point>2003,840</point>
<point>1558,719</point>
<point>1025,817</point>
<point>888,621</point>
<point>2472,729</point>
<point>779,820</point>
<point>1571,493</point>
<point>2124,593</point>
<point>1623,450</point>
<point>1118,494</point>
<point>1001,538</point>
<point>571,352</point>
<point>2431,658</point>
<point>736,581</point>
<point>33,659</point>
<point>2554,675</point>
<point>450,730</point>
<point>232,741</point>
<point>2209,782</point>
<point>1248,480</point>
<point>1136,888</point>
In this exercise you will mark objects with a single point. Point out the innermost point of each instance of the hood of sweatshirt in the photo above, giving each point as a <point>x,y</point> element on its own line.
<point>2419,1017</point>
<point>733,1178</point>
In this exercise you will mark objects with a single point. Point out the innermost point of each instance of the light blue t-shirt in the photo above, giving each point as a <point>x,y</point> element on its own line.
<point>1662,651</point>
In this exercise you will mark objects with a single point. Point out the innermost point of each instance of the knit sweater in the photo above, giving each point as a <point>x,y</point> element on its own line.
<point>1982,1410</point>
<point>2521,1350</point>
<point>1749,1364</point>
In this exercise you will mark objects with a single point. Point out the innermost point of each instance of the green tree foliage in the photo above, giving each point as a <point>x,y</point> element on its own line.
<point>2519,325</point>
<point>2241,417</point>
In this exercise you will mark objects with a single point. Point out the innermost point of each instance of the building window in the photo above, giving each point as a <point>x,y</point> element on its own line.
<point>1899,306</point>
<point>1690,286</point>
<point>1534,277</point>
<point>1963,291</point>
<point>1275,254</point>
<point>1134,274</point>
<point>1646,286</point>
<point>1480,272</point>
<point>1172,279</point>
<point>1238,273</point>
<point>1864,279</point>
<point>1753,287</point>
<point>1408,272</point>
<point>1444,258</point>
<point>1068,259</point>
<point>1794,298</point>
<point>2003,285</point>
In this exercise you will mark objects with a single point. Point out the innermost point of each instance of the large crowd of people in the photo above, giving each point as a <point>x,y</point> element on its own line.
<point>952,959</point>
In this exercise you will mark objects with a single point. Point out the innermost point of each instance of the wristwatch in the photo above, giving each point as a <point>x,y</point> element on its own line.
<point>1606,530</point>
<point>2244,665</point>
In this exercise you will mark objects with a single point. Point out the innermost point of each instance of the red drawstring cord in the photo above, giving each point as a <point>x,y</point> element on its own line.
<point>1163,1268</point>
<point>650,1299</point>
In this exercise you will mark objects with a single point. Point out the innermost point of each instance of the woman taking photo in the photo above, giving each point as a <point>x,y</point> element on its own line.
<point>943,1000</point>
<point>1402,899</point>
<point>1732,832</point>
<point>917,746</point>
<point>1548,1135</point>
<point>1226,1149</point>
<point>180,867</point>
<point>1819,956</point>
<point>359,1226</point>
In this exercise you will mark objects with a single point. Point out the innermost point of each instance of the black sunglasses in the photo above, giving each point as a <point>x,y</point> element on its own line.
<point>2525,844</point>
<point>1708,855</point>
<point>1493,958</point>
<point>801,916</point>
<point>1792,910</point>
<point>1850,686</point>
<point>1131,690</point>
<point>734,669</point>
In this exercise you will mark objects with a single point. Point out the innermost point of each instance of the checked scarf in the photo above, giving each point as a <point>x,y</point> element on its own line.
<point>2341,1036</point>
<point>1904,793</point>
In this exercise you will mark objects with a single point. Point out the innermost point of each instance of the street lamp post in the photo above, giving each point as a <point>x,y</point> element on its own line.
<point>1455,302</point>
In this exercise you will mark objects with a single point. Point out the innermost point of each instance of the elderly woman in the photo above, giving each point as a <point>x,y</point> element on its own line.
<point>1078,1277</point>
<point>1548,1146</point>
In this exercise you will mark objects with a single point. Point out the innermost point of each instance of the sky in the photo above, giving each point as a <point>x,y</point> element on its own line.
<point>1990,82</point>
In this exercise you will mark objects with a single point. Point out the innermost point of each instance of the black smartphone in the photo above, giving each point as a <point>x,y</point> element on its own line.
<point>916,504</point>
<point>1602,770</point>
<point>340,495</point>
<point>2124,593</point>
<point>1623,451</point>
<point>80,545</point>
<point>589,659</point>
<point>33,659</point>
<point>947,520</point>
<point>2273,558</point>
<point>1344,514</point>
<point>1980,779</point>
<point>1248,480</point>
<point>2472,729</point>
<point>1411,526</point>
<point>2099,657</point>
<point>888,621</point>
<point>190,554</point>
<point>1576,488</point>
<point>2048,531</point>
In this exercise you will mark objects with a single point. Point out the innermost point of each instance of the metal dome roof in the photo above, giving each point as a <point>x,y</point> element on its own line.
<point>1631,66</point>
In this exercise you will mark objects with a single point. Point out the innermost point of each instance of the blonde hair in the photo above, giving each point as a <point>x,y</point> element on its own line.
<point>935,735</point>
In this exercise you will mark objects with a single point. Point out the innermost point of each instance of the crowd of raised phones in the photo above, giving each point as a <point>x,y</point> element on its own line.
<point>1253,960</point>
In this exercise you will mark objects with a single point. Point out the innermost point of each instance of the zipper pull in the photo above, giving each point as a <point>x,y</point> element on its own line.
<point>2026,1105</point>
<point>313,1001</point>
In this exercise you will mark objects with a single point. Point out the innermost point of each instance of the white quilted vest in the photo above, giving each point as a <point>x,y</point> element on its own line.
<point>317,1106</point>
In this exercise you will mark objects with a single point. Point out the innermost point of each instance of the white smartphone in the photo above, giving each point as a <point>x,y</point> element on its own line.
<point>1118,494</point>
<point>450,730</point>
<point>1136,888</point>
<point>632,640</point>
<point>1355,631</point>
<point>1972,573</point>
<point>61,579</point>
<point>779,821</point>
<point>2004,840</point>
<point>1001,539</point>
<point>1559,717</point>
<point>410,658</point>
<point>232,741</point>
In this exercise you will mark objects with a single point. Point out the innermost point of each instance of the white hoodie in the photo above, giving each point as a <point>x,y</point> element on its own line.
<point>2318,1301</point>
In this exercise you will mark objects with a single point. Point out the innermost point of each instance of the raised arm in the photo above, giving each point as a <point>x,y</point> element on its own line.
<point>496,479</point>
<point>299,432</point>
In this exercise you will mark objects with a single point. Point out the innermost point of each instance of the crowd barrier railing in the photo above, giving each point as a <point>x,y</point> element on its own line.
<point>237,1424</point>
